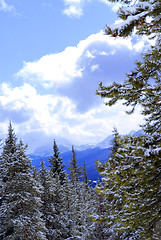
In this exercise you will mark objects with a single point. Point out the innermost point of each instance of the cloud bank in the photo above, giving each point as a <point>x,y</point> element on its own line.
<point>56,94</point>
<point>38,119</point>
<point>62,68</point>
<point>76,71</point>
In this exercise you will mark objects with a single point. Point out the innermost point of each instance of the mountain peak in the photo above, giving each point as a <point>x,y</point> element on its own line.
<point>64,145</point>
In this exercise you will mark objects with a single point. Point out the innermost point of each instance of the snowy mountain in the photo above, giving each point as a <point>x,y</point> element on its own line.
<point>136,133</point>
<point>64,145</point>
<point>84,153</point>
<point>89,156</point>
<point>47,150</point>
<point>106,143</point>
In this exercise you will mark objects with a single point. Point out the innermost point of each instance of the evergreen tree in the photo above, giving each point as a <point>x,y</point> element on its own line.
<point>119,180</point>
<point>75,200</point>
<point>1,184</point>
<point>138,173</point>
<point>47,207</point>
<point>81,202</point>
<point>139,166</point>
<point>109,196</point>
<point>98,216</point>
<point>142,15</point>
<point>114,142</point>
<point>88,200</point>
<point>85,175</point>
<point>75,170</point>
<point>20,215</point>
<point>57,166</point>
<point>68,200</point>
<point>54,210</point>
<point>60,229</point>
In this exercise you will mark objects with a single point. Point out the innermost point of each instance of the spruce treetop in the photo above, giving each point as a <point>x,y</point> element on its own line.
<point>11,140</point>
<point>56,164</point>
<point>75,170</point>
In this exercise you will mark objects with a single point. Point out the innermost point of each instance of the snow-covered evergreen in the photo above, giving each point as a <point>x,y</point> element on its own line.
<point>136,184</point>
<point>20,198</point>
<point>74,170</point>
<point>56,164</point>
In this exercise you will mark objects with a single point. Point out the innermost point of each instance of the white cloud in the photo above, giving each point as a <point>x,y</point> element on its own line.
<point>94,67</point>
<point>32,112</point>
<point>72,72</point>
<point>89,54</point>
<point>48,117</point>
<point>6,7</point>
<point>69,107</point>
<point>74,11</point>
<point>55,68</point>
<point>62,68</point>
<point>74,8</point>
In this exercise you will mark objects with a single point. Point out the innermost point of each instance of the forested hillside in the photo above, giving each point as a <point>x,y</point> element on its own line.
<point>46,203</point>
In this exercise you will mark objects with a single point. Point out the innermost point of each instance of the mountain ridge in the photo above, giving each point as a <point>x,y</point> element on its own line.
<point>87,154</point>
<point>47,150</point>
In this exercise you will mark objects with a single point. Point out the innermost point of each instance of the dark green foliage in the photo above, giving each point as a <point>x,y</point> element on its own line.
<point>57,166</point>
<point>47,207</point>
<point>75,170</point>
<point>85,175</point>
<point>19,211</point>
<point>132,175</point>
<point>134,15</point>
<point>38,205</point>
<point>114,142</point>
<point>138,88</point>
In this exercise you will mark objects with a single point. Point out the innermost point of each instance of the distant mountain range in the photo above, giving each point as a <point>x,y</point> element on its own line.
<point>87,154</point>
<point>47,150</point>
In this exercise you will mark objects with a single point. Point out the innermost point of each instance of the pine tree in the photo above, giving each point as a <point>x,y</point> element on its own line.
<point>85,176</point>
<point>57,166</point>
<point>75,170</point>
<point>141,86</point>
<point>110,196</point>
<point>98,216</point>
<point>47,207</point>
<point>54,207</point>
<point>111,183</point>
<point>1,184</point>
<point>114,143</point>
<point>119,184</point>
<point>20,215</point>
<point>137,172</point>
<point>81,202</point>
<point>68,200</point>
<point>60,219</point>
<point>142,15</point>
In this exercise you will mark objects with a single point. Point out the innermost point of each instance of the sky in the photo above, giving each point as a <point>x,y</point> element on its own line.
<point>53,54</point>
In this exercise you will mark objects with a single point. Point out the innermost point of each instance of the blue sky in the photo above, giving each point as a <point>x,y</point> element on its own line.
<point>53,53</point>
